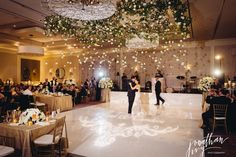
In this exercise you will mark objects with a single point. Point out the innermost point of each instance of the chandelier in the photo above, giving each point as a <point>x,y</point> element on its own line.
<point>81,9</point>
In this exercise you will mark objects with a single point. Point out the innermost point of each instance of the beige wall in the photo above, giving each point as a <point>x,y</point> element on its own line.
<point>228,61</point>
<point>8,66</point>
<point>11,66</point>
<point>199,56</point>
<point>69,63</point>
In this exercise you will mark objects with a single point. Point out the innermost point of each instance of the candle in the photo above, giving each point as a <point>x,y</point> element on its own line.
<point>14,114</point>
<point>47,118</point>
<point>54,114</point>
<point>58,111</point>
<point>15,120</point>
<point>30,123</point>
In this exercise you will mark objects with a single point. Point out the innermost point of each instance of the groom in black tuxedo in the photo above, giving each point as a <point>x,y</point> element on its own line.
<point>158,90</point>
<point>131,94</point>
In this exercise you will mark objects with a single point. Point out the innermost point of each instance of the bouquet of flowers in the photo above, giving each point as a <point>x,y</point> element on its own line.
<point>105,82</point>
<point>205,83</point>
<point>32,114</point>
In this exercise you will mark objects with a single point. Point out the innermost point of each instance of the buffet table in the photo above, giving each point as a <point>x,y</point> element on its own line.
<point>24,134</point>
<point>63,103</point>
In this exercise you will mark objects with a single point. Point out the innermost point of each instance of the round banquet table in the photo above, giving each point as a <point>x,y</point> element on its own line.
<point>24,134</point>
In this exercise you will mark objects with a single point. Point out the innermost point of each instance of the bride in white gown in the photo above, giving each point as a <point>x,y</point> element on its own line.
<point>137,101</point>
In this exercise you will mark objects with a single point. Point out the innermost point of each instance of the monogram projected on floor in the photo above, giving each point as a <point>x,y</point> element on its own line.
<point>124,126</point>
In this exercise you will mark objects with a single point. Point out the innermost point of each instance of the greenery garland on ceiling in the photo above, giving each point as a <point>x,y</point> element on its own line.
<point>154,20</point>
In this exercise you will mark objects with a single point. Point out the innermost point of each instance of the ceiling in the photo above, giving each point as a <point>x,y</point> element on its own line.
<point>21,22</point>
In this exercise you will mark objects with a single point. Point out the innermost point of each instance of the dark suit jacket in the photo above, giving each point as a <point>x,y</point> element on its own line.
<point>158,87</point>
<point>130,91</point>
<point>217,100</point>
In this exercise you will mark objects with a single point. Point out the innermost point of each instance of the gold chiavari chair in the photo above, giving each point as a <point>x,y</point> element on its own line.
<point>220,116</point>
<point>7,145</point>
<point>46,145</point>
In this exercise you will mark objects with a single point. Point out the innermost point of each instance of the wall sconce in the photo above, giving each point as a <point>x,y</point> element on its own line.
<point>71,71</point>
<point>217,57</point>
<point>50,71</point>
<point>188,67</point>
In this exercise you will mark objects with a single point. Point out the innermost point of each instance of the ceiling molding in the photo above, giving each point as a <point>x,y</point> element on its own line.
<point>24,6</point>
<point>8,50</point>
<point>221,42</point>
<point>17,10</point>
<point>10,38</point>
<point>218,19</point>
<point>19,25</point>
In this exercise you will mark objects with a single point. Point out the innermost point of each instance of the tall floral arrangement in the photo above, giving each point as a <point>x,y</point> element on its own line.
<point>32,114</point>
<point>205,83</point>
<point>105,82</point>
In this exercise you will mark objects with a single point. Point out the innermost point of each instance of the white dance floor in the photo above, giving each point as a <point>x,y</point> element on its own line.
<point>107,130</point>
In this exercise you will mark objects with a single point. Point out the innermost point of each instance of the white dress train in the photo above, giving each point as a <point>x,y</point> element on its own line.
<point>137,103</point>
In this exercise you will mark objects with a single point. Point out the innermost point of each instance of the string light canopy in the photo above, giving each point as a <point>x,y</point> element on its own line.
<point>167,18</point>
<point>81,9</point>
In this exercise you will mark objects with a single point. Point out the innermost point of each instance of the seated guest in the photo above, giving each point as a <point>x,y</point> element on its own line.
<point>27,91</point>
<point>221,98</point>
<point>2,104</point>
<point>53,82</point>
<point>14,94</point>
<point>1,96</point>
<point>46,83</point>
<point>45,90</point>
<point>18,91</point>
<point>1,83</point>
<point>53,89</point>
<point>71,82</point>
<point>86,84</point>
<point>216,85</point>
<point>7,93</point>
<point>64,89</point>
<point>8,82</point>
<point>83,91</point>
<point>59,87</point>
<point>13,91</point>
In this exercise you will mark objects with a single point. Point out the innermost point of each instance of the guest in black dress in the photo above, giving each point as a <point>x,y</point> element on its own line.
<point>211,99</point>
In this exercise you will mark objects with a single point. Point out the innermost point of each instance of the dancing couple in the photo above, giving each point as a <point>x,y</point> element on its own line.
<point>134,87</point>
<point>134,94</point>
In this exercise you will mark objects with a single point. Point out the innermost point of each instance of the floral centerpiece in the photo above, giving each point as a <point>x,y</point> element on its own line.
<point>32,114</point>
<point>105,82</point>
<point>205,83</point>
